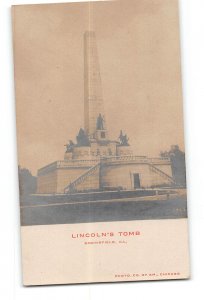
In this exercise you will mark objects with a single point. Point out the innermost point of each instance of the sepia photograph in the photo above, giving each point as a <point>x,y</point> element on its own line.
<point>99,112</point>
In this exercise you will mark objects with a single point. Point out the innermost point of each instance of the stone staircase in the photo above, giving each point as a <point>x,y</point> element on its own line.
<point>162,174</point>
<point>72,187</point>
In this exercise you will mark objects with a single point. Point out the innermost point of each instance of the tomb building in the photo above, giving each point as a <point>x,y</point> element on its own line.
<point>94,162</point>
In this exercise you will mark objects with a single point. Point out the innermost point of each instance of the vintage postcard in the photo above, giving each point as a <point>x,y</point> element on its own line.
<point>100,142</point>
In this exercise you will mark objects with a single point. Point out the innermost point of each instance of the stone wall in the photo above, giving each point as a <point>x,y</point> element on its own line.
<point>54,182</point>
<point>66,176</point>
<point>81,152</point>
<point>92,182</point>
<point>47,183</point>
<point>124,150</point>
<point>107,149</point>
<point>111,175</point>
<point>123,175</point>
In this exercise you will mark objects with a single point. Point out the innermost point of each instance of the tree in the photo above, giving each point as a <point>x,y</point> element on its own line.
<point>27,182</point>
<point>178,165</point>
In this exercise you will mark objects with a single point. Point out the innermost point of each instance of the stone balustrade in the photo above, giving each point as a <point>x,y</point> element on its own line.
<point>76,163</point>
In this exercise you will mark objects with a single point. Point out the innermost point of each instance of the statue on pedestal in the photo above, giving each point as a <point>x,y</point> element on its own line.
<point>100,122</point>
<point>69,146</point>
<point>82,139</point>
<point>123,139</point>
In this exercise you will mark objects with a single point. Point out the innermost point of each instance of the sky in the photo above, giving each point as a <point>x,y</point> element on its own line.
<point>139,55</point>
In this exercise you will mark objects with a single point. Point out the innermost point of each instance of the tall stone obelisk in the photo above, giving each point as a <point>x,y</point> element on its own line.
<point>93,98</point>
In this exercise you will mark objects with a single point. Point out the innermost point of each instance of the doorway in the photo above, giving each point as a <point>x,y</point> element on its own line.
<point>136,179</point>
